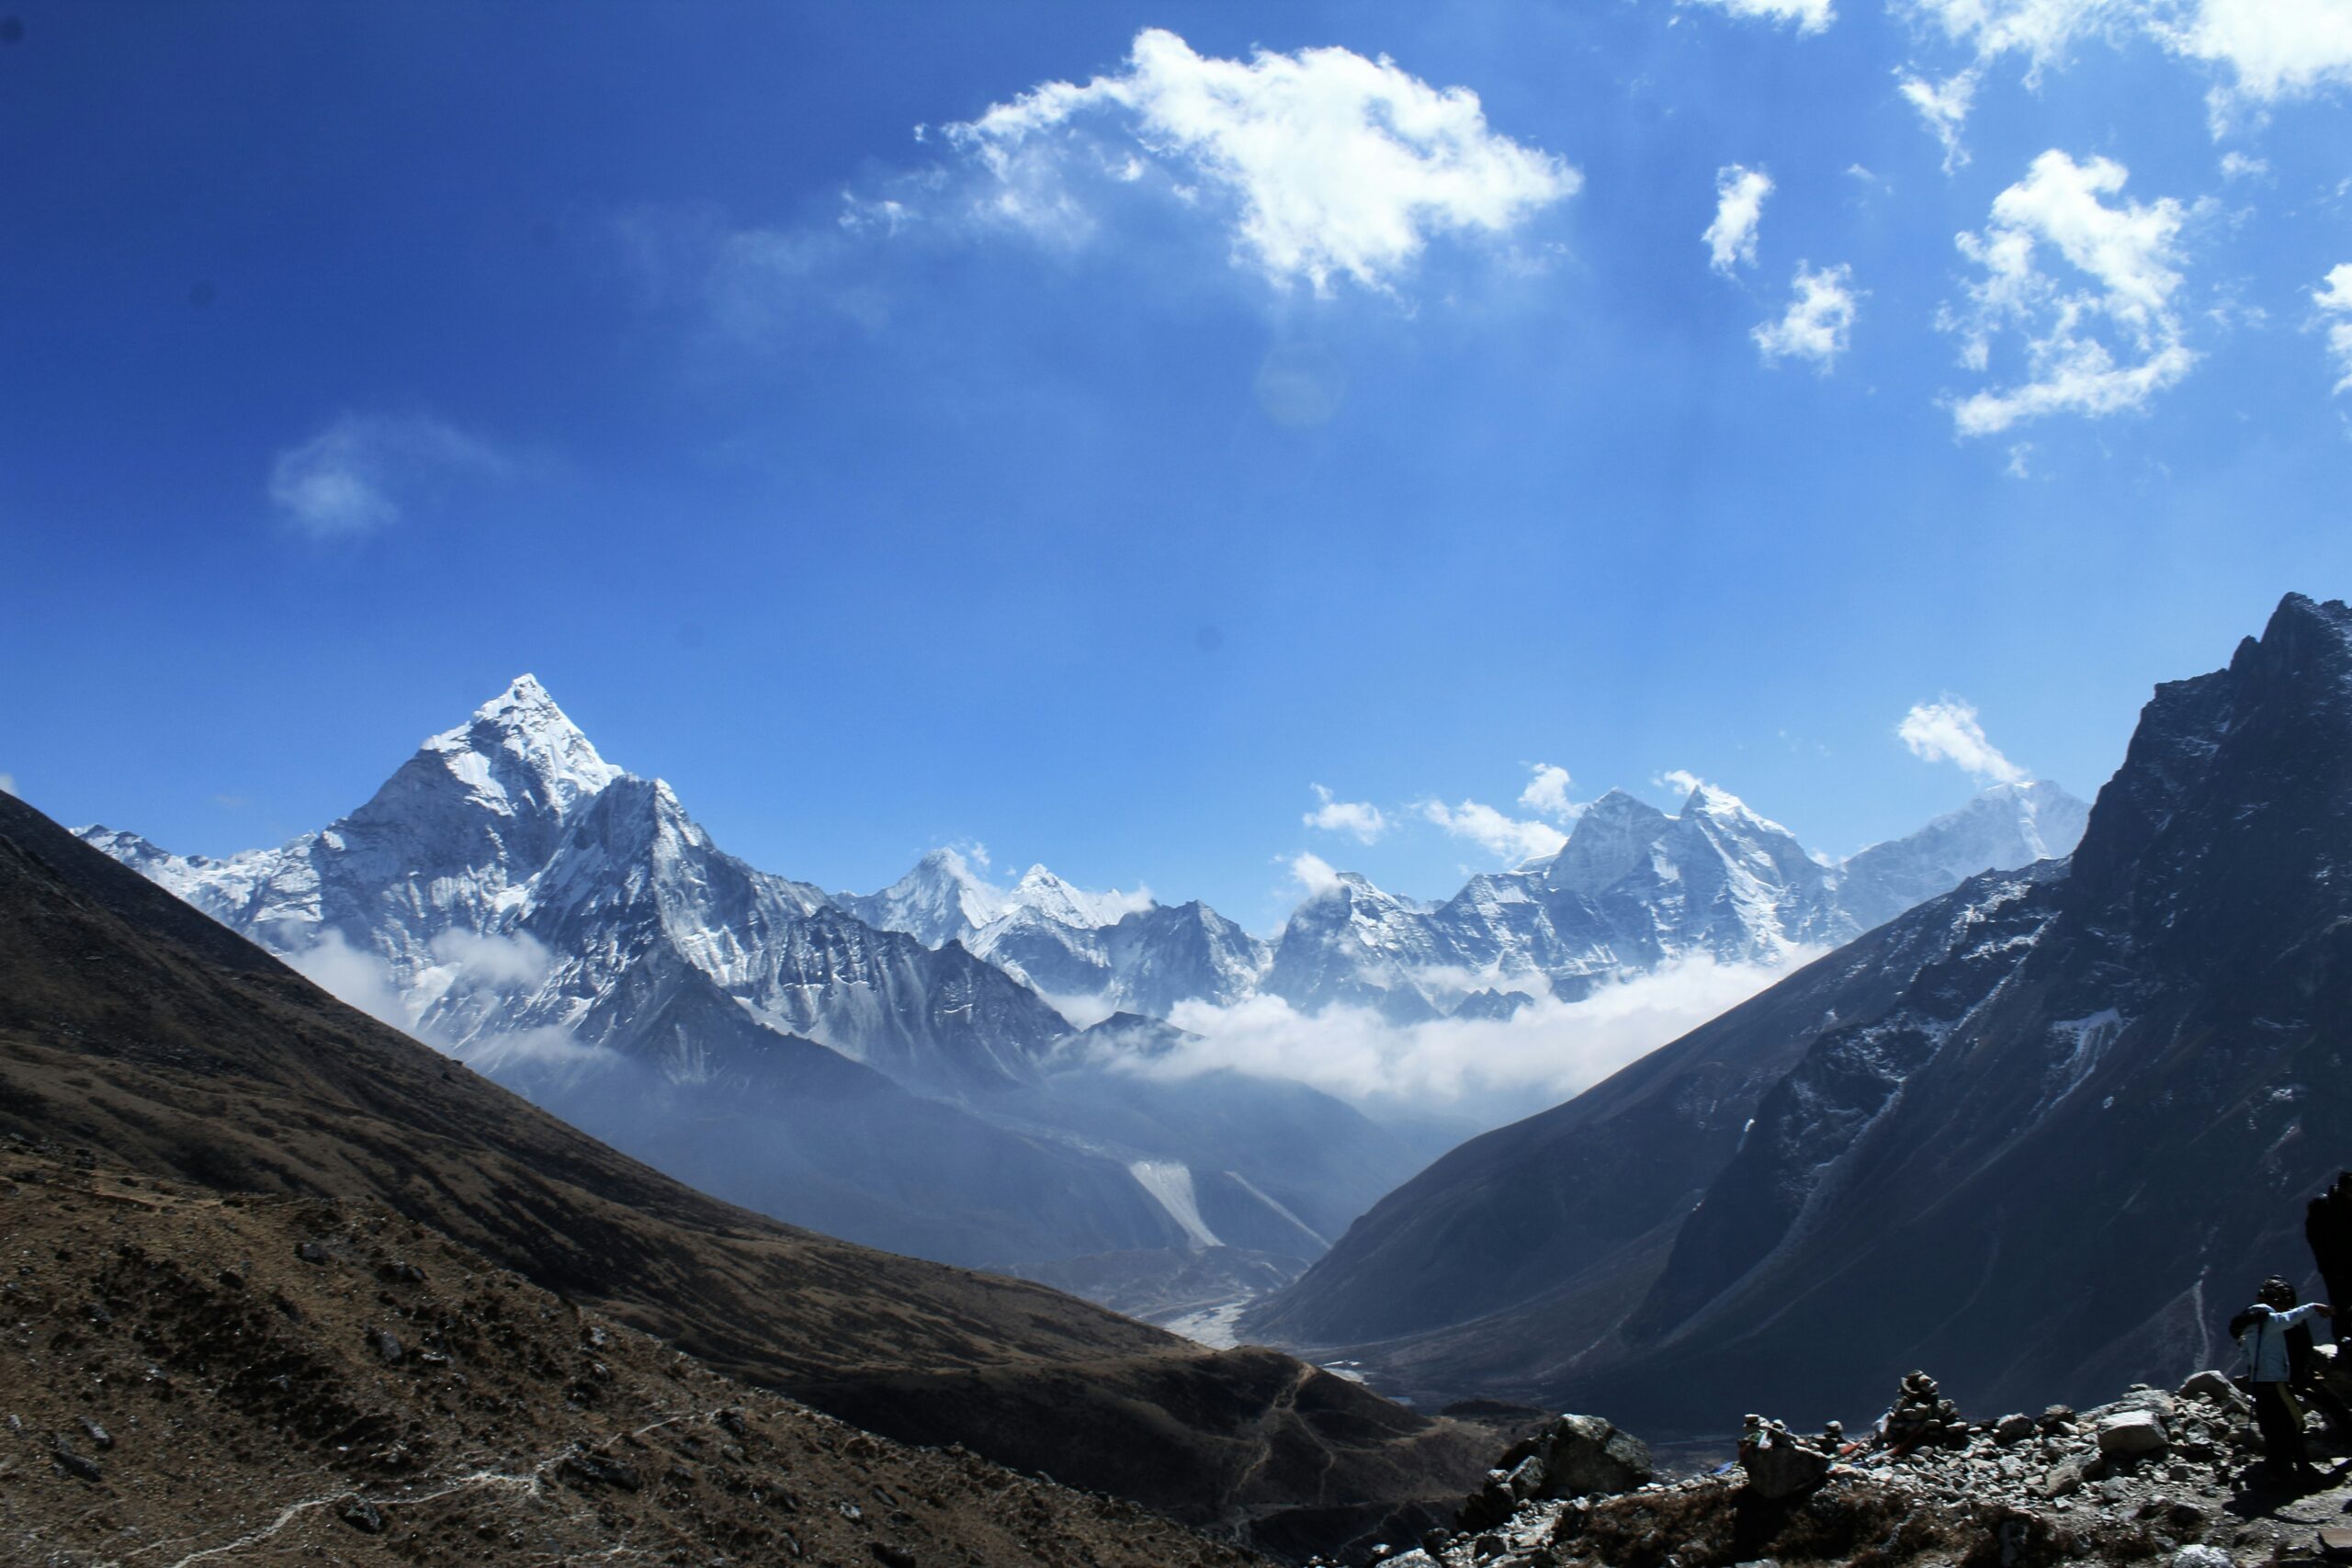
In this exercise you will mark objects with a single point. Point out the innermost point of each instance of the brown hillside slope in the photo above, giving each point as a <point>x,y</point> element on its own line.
<point>135,1025</point>
<point>188,1379</point>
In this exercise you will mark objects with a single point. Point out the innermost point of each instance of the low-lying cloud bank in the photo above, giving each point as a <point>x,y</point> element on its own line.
<point>1489,1070</point>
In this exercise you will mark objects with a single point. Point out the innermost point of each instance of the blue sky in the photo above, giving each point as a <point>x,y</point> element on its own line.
<point>1095,480</point>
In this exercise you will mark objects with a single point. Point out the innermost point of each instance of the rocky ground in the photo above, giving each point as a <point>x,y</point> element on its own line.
<point>189,1378</point>
<point>2153,1478</point>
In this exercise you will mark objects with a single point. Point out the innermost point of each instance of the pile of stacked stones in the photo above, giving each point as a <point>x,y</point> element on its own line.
<point>2149,1472</point>
<point>1922,1415</point>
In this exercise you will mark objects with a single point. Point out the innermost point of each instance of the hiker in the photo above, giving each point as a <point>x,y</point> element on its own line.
<point>2302,1362</point>
<point>2263,1329</point>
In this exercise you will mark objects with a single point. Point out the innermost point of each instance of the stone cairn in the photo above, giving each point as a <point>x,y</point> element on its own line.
<point>1922,1418</point>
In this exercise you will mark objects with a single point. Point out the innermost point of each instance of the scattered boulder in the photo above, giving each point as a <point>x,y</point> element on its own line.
<point>362,1516</point>
<point>1779,1463</point>
<point>2213,1387</point>
<point>1575,1456</point>
<point>2131,1433</point>
<point>2015,1428</point>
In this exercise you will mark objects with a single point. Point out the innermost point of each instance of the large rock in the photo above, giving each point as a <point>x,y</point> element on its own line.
<point>1584,1455</point>
<point>2131,1433</point>
<point>2215,1389</point>
<point>1779,1463</point>
<point>1575,1456</point>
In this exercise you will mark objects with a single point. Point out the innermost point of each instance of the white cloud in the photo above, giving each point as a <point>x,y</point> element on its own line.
<point>1361,819</point>
<point>1944,106</point>
<point>1506,837</point>
<point>2239,166</point>
<point>1810,15</point>
<point>362,472</point>
<point>7,784</point>
<point>1313,874</point>
<point>1739,213</point>
<point>1947,732</point>
<point>501,963</point>
<point>1819,321</point>
<point>2019,453</point>
<point>1494,1070</point>
<point>2095,350</point>
<point>2335,303</point>
<point>1680,781</point>
<point>2273,51</point>
<point>1547,792</point>
<point>1329,165</point>
<point>353,977</point>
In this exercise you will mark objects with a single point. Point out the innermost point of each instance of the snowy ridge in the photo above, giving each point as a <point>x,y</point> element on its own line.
<point>1633,889</point>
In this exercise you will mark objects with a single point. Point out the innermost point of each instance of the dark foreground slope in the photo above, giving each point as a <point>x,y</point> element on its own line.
<point>135,1025</point>
<point>2038,1135</point>
<point>194,1378</point>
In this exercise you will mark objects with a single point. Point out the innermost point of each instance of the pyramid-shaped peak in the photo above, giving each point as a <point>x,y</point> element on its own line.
<point>520,745</point>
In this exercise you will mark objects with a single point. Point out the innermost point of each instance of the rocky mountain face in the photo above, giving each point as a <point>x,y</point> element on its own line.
<point>1634,888</point>
<point>566,927</point>
<point>135,1027</point>
<point>2034,1133</point>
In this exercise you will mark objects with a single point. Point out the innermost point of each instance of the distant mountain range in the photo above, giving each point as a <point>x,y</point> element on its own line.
<point>902,1067</point>
<point>138,1033</point>
<point>2040,1135</point>
<point>1633,889</point>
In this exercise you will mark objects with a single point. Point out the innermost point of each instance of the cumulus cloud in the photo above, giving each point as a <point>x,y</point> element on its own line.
<point>1739,213</point>
<point>364,472</point>
<point>1819,321</point>
<point>1810,15</point>
<point>1323,164</point>
<point>1496,1069</point>
<point>2240,167</point>
<point>2335,301</point>
<point>1547,792</point>
<point>1363,819</point>
<point>2102,343</point>
<point>1313,874</point>
<point>1948,731</point>
<point>2269,51</point>
<point>1944,106</point>
<point>2274,50</point>
<point>1513,840</point>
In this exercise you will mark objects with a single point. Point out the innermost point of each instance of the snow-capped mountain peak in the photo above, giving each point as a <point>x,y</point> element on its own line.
<point>1057,900</point>
<point>519,756</point>
<point>942,899</point>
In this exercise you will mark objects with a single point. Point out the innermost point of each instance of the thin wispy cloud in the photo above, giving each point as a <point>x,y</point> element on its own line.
<point>1818,324</point>
<point>1807,15</point>
<point>7,784</point>
<point>1944,107</point>
<point>1364,821</point>
<point>1321,164</point>
<point>362,473</point>
<point>1739,213</point>
<point>2103,340</point>
<point>1948,731</point>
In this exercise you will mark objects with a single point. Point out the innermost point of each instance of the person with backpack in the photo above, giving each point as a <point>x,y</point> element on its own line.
<point>2263,1330</point>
